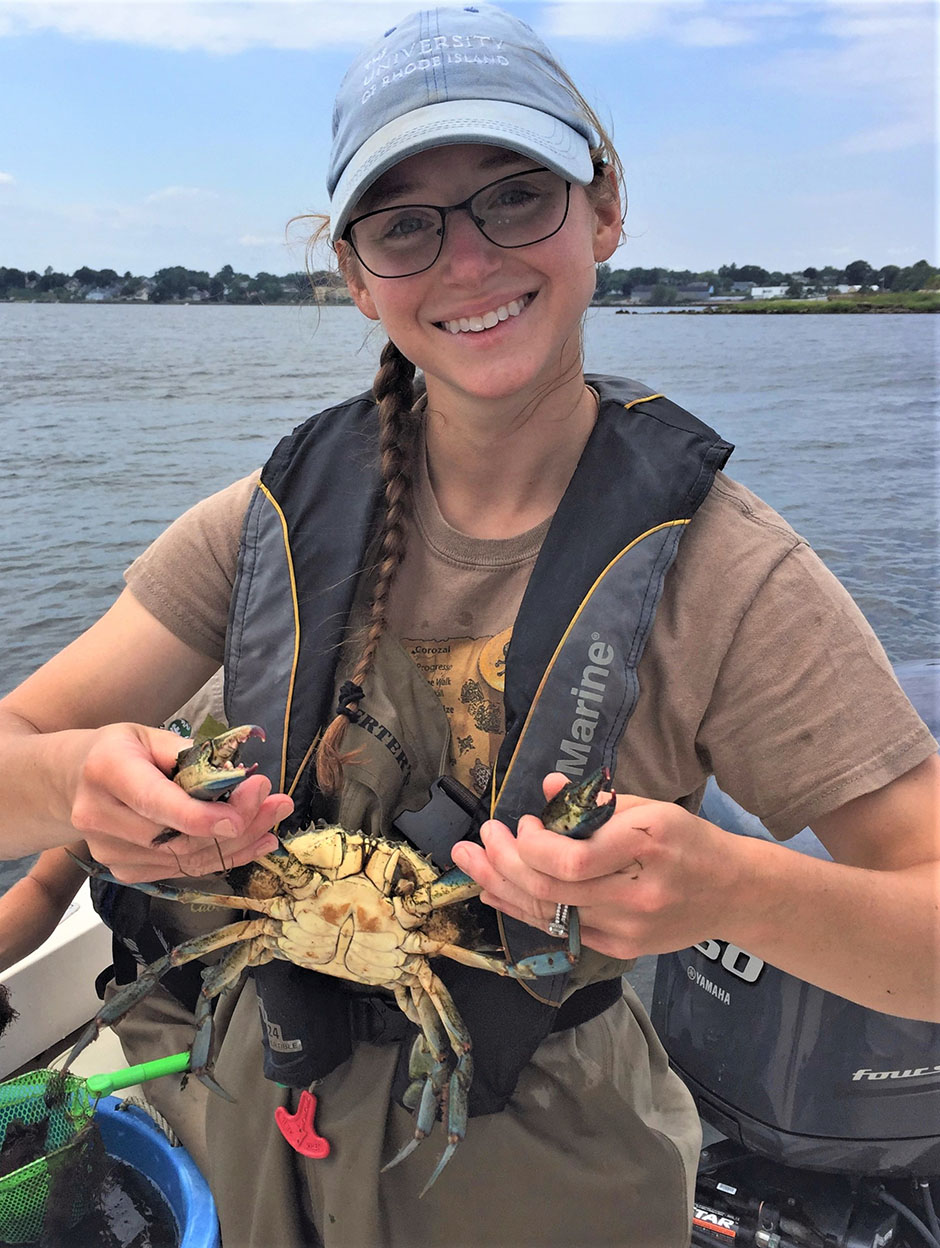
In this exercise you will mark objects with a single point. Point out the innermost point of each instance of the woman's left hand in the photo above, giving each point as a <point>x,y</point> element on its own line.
<point>648,881</point>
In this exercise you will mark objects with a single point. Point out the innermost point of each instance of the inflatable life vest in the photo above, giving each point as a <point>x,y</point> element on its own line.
<point>571,686</point>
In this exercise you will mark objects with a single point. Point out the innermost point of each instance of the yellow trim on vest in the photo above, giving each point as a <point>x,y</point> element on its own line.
<point>311,750</point>
<point>645,398</point>
<point>293,591</point>
<point>669,524</point>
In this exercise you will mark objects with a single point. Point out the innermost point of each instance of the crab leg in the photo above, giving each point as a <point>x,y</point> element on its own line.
<point>148,979</point>
<point>453,886</point>
<point>210,770</point>
<point>438,1014</point>
<point>216,980</point>
<point>572,812</point>
<point>189,896</point>
<point>458,1088</point>
<point>426,1066</point>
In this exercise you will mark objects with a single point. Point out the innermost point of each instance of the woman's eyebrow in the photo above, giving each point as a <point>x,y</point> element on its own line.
<point>383,191</point>
<point>501,156</point>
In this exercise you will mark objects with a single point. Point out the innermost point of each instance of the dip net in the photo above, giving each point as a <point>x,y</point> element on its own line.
<point>49,1151</point>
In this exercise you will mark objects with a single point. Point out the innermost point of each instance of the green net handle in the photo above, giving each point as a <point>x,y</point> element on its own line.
<point>104,1085</point>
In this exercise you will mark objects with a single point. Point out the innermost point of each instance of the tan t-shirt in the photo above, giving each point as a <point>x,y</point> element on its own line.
<point>759,667</point>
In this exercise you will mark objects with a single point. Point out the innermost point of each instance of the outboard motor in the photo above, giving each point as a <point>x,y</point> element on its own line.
<point>830,1113</point>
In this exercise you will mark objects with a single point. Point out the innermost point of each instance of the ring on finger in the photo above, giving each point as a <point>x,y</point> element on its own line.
<point>559,924</point>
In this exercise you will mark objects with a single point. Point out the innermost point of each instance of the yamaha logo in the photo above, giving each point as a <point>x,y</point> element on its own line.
<point>701,981</point>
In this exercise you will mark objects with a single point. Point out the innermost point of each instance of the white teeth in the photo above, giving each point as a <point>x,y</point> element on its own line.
<point>474,324</point>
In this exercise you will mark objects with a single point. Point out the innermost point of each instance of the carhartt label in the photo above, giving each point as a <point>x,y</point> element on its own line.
<point>372,726</point>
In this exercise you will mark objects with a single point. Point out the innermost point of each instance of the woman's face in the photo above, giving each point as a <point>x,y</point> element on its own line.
<point>541,290</point>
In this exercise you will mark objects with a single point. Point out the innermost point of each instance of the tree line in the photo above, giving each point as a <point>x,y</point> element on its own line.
<point>178,284</point>
<point>612,283</point>
<point>170,285</point>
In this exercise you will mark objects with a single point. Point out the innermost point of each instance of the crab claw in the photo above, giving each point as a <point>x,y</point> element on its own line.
<point>211,770</point>
<point>573,810</point>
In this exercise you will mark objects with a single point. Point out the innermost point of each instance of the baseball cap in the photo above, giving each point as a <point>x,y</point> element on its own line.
<point>452,75</point>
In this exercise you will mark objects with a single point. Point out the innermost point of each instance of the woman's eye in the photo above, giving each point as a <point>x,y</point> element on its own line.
<point>511,198</point>
<point>514,195</point>
<point>405,226</point>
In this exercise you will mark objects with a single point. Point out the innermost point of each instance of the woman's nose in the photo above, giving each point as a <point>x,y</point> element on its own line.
<point>466,250</point>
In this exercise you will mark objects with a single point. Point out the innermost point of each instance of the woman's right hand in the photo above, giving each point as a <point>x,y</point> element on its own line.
<point>122,799</point>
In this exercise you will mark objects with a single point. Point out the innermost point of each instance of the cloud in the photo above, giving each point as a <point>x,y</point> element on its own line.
<point>262,240</point>
<point>7,179</point>
<point>217,26</point>
<point>227,27</point>
<point>881,52</point>
<point>170,193</point>
<point>693,23</point>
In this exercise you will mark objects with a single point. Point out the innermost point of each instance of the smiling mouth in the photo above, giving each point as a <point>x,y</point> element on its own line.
<point>488,320</point>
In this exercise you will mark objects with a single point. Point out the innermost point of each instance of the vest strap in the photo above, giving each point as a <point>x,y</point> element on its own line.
<point>587,1003</point>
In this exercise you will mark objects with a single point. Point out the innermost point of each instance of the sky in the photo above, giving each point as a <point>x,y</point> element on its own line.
<point>784,133</point>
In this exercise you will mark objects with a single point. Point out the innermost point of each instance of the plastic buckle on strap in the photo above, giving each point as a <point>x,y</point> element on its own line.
<point>376,1021</point>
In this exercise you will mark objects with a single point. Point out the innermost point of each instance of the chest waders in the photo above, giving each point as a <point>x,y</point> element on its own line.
<point>571,687</point>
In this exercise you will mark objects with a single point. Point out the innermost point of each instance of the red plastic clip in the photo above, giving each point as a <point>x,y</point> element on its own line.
<point>298,1129</point>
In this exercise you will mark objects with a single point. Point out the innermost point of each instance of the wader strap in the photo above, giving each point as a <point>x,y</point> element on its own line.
<point>378,1020</point>
<point>496,1059</point>
<point>587,1003</point>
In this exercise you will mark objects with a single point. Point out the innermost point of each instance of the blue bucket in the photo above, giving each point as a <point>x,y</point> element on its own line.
<point>132,1136</point>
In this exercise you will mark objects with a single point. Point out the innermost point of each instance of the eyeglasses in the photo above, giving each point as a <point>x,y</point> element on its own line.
<point>515,211</point>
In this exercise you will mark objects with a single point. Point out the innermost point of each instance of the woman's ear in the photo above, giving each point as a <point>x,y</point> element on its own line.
<point>608,223</point>
<point>355,283</point>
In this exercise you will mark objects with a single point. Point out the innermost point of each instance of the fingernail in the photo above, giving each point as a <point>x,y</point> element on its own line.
<point>224,828</point>
<point>267,845</point>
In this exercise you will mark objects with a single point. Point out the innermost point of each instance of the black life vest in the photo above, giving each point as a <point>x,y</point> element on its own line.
<point>571,681</point>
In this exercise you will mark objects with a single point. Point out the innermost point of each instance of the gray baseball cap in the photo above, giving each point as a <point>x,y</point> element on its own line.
<point>452,75</point>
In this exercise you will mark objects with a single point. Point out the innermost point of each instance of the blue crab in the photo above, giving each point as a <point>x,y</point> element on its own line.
<point>364,908</point>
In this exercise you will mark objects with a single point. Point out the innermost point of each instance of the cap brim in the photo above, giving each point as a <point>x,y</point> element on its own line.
<point>528,131</point>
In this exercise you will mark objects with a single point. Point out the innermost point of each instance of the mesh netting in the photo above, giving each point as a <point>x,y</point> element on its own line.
<point>46,1137</point>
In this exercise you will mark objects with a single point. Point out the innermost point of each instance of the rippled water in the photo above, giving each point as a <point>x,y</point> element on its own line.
<point>114,419</point>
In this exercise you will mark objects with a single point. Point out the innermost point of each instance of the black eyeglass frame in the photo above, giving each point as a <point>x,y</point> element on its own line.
<point>445,210</point>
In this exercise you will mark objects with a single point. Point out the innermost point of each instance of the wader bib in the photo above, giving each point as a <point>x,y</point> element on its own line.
<point>571,687</point>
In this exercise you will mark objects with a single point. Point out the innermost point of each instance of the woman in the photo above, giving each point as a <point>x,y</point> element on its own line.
<point>503,572</point>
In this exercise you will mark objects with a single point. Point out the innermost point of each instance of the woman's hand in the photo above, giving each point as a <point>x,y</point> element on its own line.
<point>647,881</point>
<point>123,799</point>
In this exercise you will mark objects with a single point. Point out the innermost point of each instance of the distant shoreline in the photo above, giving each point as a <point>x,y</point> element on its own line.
<point>887,302</point>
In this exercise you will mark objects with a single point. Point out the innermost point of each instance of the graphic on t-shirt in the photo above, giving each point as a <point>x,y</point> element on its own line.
<point>485,714</point>
<point>468,675</point>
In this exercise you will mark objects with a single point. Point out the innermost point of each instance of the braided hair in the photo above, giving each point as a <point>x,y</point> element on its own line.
<point>393,391</point>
